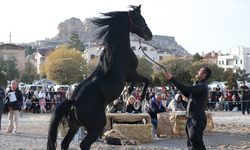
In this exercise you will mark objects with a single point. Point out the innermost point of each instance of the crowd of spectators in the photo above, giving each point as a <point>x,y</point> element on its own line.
<point>42,100</point>
<point>229,100</point>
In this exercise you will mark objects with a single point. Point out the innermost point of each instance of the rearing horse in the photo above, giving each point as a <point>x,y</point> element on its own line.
<point>117,65</point>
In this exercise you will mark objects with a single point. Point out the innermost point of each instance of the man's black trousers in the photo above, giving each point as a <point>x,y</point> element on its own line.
<point>194,131</point>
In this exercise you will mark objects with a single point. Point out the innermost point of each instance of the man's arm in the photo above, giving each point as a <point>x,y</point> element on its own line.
<point>197,89</point>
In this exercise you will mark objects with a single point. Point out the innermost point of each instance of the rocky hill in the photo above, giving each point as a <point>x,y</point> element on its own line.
<point>87,32</point>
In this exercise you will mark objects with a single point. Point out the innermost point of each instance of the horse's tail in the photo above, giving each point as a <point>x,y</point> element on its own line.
<point>61,112</point>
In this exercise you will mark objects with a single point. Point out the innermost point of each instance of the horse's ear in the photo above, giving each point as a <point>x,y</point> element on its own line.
<point>137,9</point>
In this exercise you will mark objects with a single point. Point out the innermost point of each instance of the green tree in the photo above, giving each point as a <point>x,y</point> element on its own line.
<point>197,57</point>
<point>31,70</point>
<point>145,67</point>
<point>185,78</point>
<point>25,77</point>
<point>227,73</point>
<point>241,75</point>
<point>3,80</point>
<point>156,82</point>
<point>75,42</point>
<point>11,68</point>
<point>175,66</point>
<point>64,66</point>
<point>29,50</point>
<point>231,82</point>
<point>216,71</point>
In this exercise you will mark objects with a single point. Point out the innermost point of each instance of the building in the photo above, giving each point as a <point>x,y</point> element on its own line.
<point>239,57</point>
<point>150,50</point>
<point>7,50</point>
<point>40,57</point>
<point>211,57</point>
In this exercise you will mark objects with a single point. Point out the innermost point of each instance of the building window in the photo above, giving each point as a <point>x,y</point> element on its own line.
<point>92,56</point>
<point>133,47</point>
<point>215,62</point>
<point>227,63</point>
<point>247,53</point>
<point>209,62</point>
<point>219,62</point>
<point>236,62</point>
<point>160,57</point>
<point>240,61</point>
<point>144,48</point>
<point>222,62</point>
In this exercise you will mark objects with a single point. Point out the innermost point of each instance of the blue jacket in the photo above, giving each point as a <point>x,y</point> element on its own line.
<point>153,108</point>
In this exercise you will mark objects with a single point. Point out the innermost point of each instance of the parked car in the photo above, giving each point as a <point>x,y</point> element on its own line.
<point>66,87</point>
<point>49,83</point>
<point>33,87</point>
<point>21,86</point>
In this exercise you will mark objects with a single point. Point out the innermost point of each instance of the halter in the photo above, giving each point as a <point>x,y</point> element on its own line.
<point>140,41</point>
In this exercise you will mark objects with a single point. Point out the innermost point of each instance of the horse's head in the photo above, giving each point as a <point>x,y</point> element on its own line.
<point>138,24</point>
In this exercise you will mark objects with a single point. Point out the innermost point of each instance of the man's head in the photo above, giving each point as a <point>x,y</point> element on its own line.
<point>244,83</point>
<point>203,73</point>
<point>158,97</point>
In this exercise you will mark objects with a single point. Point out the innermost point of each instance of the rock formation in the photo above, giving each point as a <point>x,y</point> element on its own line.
<point>87,32</point>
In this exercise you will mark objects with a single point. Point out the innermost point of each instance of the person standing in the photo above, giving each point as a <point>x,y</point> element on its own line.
<point>245,98</point>
<point>2,96</point>
<point>14,110</point>
<point>197,120</point>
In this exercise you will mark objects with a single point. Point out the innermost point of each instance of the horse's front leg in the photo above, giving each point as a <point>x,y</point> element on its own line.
<point>131,88</point>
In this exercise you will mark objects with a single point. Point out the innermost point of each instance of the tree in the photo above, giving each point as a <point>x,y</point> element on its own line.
<point>227,73</point>
<point>29,50</point>
<point>197,57</point>
<point>2,63</point>
<point>216,71</point>
<point>3,80</point>
<point>11,68</point>
<point>30,69</point>
<point>64,65</point>
<point>231,82</point>
<point>241,75</point>
<point>174,65</point>
<point>145,67</point>
<point>75,43</point>
<point>65,71</point>
<point>25,77</point>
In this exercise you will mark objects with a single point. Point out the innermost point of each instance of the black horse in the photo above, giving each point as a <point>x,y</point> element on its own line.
<point>117,65</point>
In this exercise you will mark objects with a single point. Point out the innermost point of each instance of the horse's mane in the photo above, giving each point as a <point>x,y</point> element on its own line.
<point>109,24</point>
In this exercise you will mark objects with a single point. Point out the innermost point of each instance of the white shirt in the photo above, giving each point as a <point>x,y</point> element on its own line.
<point>42,94</point>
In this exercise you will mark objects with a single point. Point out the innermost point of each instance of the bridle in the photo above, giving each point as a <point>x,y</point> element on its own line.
<point>131,22</point>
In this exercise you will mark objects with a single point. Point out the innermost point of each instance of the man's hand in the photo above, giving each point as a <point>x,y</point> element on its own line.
<point>183,109</point>
<point>115,102</point>
<point>167,110</point>
<point>118,112</point>
<point>168,75</point>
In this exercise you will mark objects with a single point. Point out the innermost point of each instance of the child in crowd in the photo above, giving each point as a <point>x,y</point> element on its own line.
<point>42,104</point>
<point>28,106</point>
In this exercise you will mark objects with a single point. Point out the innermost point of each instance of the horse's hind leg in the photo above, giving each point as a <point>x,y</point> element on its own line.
<point>73,128</point>
<point>90,138</point>
<point>68,138</point>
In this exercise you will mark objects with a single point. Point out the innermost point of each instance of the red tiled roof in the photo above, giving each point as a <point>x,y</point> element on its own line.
<point>209,55</point>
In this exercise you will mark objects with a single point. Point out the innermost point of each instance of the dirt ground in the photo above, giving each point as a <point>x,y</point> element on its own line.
<point>33,129</point>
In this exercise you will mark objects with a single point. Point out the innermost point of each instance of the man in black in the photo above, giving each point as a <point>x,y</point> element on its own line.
<point>245,98</point>
<point>2,96</point>
<point>197,120</point>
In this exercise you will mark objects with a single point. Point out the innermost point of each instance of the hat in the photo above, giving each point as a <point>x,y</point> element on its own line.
<point>163,88</point>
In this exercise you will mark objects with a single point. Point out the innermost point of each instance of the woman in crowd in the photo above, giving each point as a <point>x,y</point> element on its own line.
<point>226,103</point>
<point>55,102</point>
<point>42,103</point>
<point>48,104</point>
<point>130,105</point>
<point>35,104</point>
<point>14,110</point>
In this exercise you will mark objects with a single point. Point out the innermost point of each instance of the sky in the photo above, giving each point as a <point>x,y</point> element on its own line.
<point>197,25</point>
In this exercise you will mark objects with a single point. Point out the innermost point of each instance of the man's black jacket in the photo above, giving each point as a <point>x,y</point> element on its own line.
<point>198,95</point>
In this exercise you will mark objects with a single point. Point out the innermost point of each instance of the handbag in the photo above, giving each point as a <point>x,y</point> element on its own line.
<point>10,104</point>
